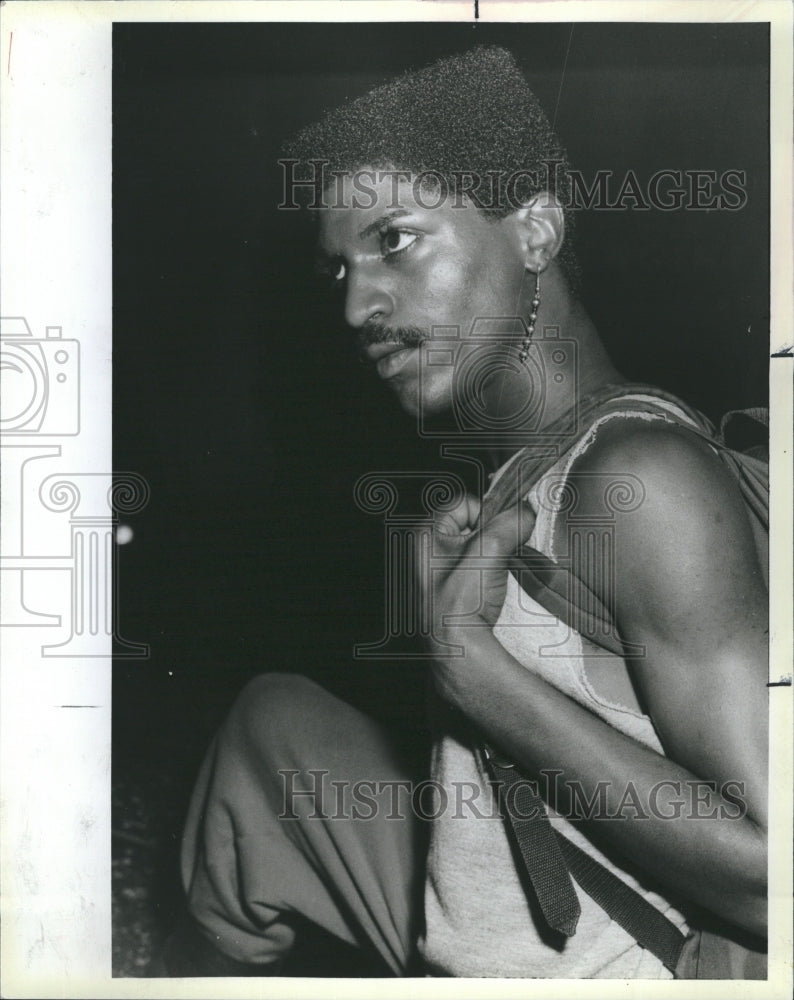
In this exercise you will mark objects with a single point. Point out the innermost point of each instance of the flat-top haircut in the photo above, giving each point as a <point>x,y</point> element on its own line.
<point>469,121</point>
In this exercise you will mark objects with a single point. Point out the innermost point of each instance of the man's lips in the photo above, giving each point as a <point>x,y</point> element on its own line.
<point>389,358</point>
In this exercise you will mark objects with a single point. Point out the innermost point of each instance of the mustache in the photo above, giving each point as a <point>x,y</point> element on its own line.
<point>373,332</point>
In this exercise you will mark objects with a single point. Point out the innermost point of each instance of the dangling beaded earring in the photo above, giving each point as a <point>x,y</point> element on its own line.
<point>523,354</point>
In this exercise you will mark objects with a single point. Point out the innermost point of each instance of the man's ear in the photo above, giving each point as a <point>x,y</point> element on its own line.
<point>541,229</point>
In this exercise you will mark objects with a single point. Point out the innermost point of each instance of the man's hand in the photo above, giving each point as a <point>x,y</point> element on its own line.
<point>465,584</point>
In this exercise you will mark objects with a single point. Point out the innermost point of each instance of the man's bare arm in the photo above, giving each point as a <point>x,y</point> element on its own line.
<point>689,589</point>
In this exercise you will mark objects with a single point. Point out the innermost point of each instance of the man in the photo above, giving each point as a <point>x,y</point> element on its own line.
<point>443,218</point>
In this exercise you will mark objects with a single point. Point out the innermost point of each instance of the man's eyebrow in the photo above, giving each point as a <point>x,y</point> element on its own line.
<point>322,257</point>
<point>378,224</point>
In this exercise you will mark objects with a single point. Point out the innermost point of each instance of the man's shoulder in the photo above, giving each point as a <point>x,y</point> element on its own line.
<point>666,464</point>
<point>635,442</point>
<point>681,539</point>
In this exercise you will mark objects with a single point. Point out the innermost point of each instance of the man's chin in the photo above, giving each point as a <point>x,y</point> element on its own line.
<point>407,396</point>
<point>429,410</point>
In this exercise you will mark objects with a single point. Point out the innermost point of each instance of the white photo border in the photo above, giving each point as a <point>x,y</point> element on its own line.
<point>55,85</point>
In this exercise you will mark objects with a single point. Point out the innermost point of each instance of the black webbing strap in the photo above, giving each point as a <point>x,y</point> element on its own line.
<point>528,820</point>
<point>541,851</point>
<point>624,905</point>
<point>532,831</point>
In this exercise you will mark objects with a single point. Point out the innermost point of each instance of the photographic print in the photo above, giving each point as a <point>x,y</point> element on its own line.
<point>430,537</point>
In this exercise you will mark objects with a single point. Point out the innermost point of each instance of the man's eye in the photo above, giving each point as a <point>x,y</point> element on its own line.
<point>333,271</point>
<point>337,271</point>
<point>394,241</point>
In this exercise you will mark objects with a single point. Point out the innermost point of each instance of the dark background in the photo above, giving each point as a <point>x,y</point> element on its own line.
<point>236,391</point>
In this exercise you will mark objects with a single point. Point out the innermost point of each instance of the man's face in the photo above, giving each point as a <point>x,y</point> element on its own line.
<point>406,267</point>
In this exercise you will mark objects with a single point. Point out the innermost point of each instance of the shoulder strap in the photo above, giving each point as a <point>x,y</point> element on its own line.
<point>557,439</point>
<point>539,576</point>
<point>647,925</point>
<point>639,918</point>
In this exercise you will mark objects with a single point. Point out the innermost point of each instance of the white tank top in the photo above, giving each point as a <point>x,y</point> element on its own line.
<point>477,918</point>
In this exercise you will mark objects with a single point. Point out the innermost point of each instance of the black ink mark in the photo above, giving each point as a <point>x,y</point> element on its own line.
<point>784,683</point>
<point>786,352</point>
<point>131,838</point>
<point>476,10</point>
<point>562,78</point>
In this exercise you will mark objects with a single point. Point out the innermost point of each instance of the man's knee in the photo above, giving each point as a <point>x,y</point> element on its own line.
<point>273,711</point>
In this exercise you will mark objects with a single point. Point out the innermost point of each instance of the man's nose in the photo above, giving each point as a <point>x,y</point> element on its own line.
<point>366,299</point>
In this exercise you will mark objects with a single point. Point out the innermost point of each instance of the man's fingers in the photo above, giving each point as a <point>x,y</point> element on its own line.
<point>503,535</point>
<point>460,519</point>
<point>509,530</point>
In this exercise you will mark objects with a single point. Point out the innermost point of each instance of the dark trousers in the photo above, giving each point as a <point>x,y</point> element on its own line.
<point>258,856</point>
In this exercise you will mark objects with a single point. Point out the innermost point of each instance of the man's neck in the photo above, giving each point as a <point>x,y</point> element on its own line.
<point>586,369</point>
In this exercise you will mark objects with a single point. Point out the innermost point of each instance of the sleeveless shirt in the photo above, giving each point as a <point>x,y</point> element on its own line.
<point>478,920</point>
